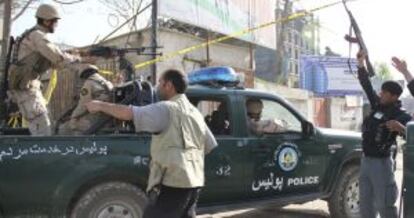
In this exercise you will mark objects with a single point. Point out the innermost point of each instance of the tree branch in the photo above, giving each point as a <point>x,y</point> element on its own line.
<point>68,2</point>
<point>22,10</point>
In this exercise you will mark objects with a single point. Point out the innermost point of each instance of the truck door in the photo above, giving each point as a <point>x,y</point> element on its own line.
<point>285,161</point>
<point>36,165</point>
<point>408,173</point>
<point>224,166</point>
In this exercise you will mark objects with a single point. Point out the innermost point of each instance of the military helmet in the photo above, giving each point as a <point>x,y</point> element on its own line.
<point>47,12</point>
<point>86,70</point>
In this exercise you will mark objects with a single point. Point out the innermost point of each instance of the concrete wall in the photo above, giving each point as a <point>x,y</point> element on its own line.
<point>346,113</point>
<point>408,104</point>
<point>300,99</point>
<point>236,56</point>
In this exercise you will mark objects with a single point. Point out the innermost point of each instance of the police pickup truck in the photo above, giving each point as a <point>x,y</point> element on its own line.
<point>105,174</point>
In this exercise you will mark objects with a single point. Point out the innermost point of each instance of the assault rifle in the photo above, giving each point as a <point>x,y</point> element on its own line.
<point>357,39</point>
<point>4,104</point>
<point>112,52</point>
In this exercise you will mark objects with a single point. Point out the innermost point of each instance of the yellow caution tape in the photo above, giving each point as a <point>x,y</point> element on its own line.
<point>106,72</point>
<point>234,35</point>
<point>25,124</point>
<point>14,120</point>
<point>51,86</point>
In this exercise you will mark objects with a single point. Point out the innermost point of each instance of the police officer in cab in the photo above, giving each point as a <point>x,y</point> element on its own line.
<point>95,87</point>
<point>260,126</point>
<point>33,55</point>
<point>180,141</point>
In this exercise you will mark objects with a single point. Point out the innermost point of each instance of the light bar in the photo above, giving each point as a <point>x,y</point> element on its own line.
<point>222,76</point>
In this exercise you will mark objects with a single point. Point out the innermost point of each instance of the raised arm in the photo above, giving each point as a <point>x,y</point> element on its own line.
<point>401,66</point>
<point>52,52</point>
<point>365,82</point>
<point>152,118</point>
<point>121,112</point>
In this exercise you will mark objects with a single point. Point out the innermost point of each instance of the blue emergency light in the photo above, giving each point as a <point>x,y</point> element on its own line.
<point>214,76</point>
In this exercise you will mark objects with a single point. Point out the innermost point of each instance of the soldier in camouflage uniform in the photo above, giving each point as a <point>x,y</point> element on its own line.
<point>95,87</point>
<point>33,55</point>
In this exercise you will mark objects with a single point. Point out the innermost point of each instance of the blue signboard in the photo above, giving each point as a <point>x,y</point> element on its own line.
<point>330,76</point>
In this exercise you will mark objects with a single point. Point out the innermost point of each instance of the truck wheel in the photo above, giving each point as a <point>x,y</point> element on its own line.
<point>344,202</point>
<point>115,199</point>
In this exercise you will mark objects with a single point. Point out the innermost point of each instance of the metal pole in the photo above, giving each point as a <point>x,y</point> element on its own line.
<point>6,28</point>
<point>281,78</point>
<point>154,44</point>
<point>4,49</point>
<point>208,49</point>
<point>313,29</point>
<point>125,23</point>
<point>251,50</point>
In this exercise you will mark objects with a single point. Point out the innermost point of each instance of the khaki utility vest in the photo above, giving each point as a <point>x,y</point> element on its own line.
<point>178,152</point>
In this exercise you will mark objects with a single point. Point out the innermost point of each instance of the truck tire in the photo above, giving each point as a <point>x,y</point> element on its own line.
<point>115,199</point>
<point>344,202</point>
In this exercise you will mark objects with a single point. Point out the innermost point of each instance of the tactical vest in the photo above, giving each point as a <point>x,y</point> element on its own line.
<point>177,153</point>
<point>28,68</point>
<point>377,140</point>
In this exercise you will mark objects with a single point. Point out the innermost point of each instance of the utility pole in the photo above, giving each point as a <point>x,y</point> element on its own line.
<point>154,43</point>
<point>4,49</point>
<point>318,38</point>
<point>280,45</point>
<point>208,49</point>
<point>313,32</point>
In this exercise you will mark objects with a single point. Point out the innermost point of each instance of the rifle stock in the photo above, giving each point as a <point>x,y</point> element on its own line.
<point>5,83</point>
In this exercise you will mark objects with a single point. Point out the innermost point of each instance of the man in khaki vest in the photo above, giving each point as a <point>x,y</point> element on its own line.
<point>178,146</point>
<point>33,55</point>
<point>95,87</point>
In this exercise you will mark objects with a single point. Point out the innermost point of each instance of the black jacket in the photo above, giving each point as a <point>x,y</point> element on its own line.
<point>411,87</point>
<point>376,138</point>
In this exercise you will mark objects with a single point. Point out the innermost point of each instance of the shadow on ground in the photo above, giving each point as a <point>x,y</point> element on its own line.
<point>281,213</point>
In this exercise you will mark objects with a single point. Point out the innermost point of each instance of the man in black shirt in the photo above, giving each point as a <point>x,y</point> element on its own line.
<point>401,66</point>
<point>378,189</point>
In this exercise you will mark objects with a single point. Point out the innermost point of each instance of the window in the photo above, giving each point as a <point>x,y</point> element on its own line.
<point>266,116</point>
<point>215,114</point>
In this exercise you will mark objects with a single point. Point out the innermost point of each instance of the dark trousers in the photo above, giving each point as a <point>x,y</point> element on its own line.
<point>174,203</point>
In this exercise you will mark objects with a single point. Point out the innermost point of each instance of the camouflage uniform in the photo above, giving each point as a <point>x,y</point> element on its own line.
<point>33,56</point>
<point>95,87</point>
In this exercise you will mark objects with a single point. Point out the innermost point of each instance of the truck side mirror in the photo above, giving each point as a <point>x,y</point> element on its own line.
<point>308,129</point>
